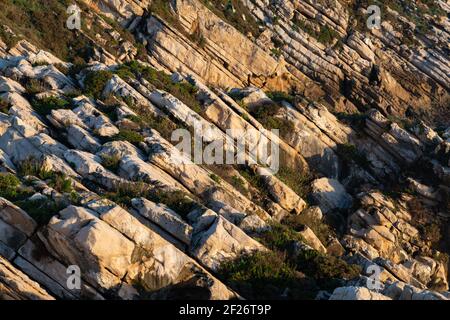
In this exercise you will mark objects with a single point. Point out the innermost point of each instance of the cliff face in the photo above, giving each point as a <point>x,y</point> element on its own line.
<point>92,185</point>
<point>309,45</point>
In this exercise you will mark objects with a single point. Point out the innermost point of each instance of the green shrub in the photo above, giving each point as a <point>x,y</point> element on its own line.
<point>350,153</point>
<point>238,183</point>
<point>328,271</point>
<point>34,86</point>
<point>299,182</point>
<point>41,210</point>
<point>46,105</point>
<point>215,178</point>
<point>131,136</point>
<point>95,82</point>
<point>267,114</point>
<point>236,13</point>
<point>8,38</point>
<point>8,186</point>
<point>162,8</point>
<point>43,23</point>
<point>184,91</point>
<point>125,192</point>
<point>78,64</point>
<point>33,167</point>
<point>111,162</point>
<point>327,35</point>
<point>280,237</point>
<point>61,183</point>
<point>4,106</point>
<point>175,200</point>
<point>276,52</point>
<point>55,180</point>
<point>322,230</point>
<point>280,96</point>
<point>266,275</point>
<point>162,124</point>
<point>357,120</point>
<point>255,180</point>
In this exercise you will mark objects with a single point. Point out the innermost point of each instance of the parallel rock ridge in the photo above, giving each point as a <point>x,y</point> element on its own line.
<point>98,201</point>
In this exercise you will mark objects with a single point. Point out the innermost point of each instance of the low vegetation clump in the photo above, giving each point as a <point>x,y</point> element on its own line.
<point>328,271</point>
<point>350,153</point>
<point>321,229</point>
<point>280,237</point>
<point>324,271</point>
<point>215,178</point>
<point>324,34</point>
<point>255,180</point>
<point>55,180</point>
<point>162,124</point>
<point>356,120</point>
<point>125,192</point>
<point>41,210</point>
<point>8,186</point>
<point>416,14</point>
<point>299,182</point>
<point>4,106</point>
<point>131,136</point>
<point>43,23</point>
<point>266,275</point>
<point>95,82</point>
<point>175,200</point>
<point>280,96</point>
<point>34,86</point>
<point>327,35</point>
<point>111,162</point>
<point>162,8</point>
<point>46,105</point>
<point>267,114</point>
<point>284,272</point>
<point>184,91</point>
<point>60,183</point>
<point>425,221</point>
<point>236,13</point>
<point>7,37</point>
<point>238,184</point>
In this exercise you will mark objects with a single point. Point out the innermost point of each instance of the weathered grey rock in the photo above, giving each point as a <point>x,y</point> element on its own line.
<point>37,262</point>
<point>78,237</point>
<point>88,165</point>
<point>93,118</point>
<point>81,139</point>
<point>166,218</point>
<point>216,240</point>
<point>356,293</point>
<point>15,285</point>
<point>16,217</point>
<point>281,193</point>
<point>314,213</point>
<point>311,239</point>
<point>329,195</point>
<point>159,264</point>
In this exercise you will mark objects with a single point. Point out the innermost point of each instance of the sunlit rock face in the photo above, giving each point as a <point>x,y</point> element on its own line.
<point>107,193</point>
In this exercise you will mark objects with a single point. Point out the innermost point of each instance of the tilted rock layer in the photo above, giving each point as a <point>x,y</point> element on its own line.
<point>97,200</point>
